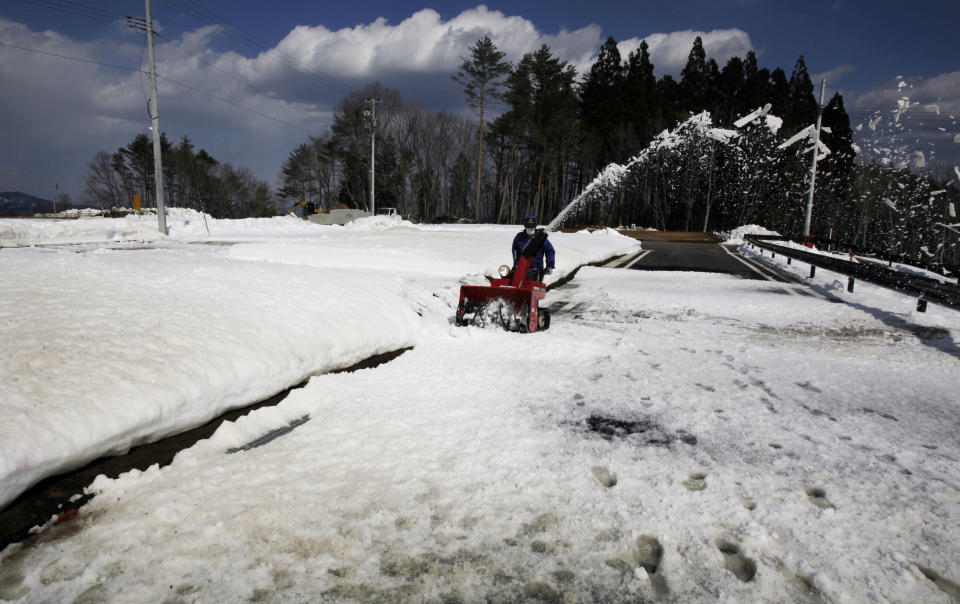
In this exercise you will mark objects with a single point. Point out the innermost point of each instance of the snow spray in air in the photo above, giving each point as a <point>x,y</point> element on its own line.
<point>601,192</point>
<point>899,136</point>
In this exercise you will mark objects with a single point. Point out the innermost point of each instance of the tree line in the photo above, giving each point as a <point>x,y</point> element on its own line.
<point>553,131</point>
<point>702,181</point>
<point>192,179</point>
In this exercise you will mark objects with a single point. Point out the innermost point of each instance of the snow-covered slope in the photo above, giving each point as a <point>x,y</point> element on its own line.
<point>105,347</point>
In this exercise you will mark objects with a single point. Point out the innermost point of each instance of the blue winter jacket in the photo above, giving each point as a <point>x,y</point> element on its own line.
<point>520,241</point>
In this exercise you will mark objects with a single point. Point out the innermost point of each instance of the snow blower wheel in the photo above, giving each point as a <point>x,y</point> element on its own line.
<point>543,320</point>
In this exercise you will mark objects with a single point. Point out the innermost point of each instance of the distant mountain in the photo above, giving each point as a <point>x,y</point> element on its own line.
<point>16,203</point>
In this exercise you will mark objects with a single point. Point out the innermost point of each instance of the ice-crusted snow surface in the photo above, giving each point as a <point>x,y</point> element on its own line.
<point>673,436</point>
<point>108,346</point>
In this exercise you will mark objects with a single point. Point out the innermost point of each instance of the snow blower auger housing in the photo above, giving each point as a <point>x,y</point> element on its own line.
<point>513,301</point>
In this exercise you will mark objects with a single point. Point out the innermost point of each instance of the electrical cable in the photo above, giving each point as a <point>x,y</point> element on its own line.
<point>258,45</point>
<point>53,54</point>
<point>75,8</point>
<point>228,102</point>
<point>169,79</point>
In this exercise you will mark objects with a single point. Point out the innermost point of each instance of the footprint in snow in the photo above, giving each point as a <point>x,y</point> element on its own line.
<point>818,497</point>
<point>743,567</point>
<point>943,584</point>
<point>696,482</point>
<point>646,554</point>
<point>604,477</point>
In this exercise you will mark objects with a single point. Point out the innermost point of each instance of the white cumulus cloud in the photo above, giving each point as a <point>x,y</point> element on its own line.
<point>252,109</point>
<point>669,51</point>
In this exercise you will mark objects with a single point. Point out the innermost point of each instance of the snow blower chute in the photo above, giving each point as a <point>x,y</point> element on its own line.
<point>512,301</point>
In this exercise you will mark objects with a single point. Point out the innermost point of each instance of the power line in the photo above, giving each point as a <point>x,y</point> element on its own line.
<point>53,54</point>
<point>198,12</point>
<point>167,78</point>
<point>254,43</point>
<point>75,8</point>
<point>223,100</point>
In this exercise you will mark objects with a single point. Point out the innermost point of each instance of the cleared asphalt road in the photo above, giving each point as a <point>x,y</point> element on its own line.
<point>700,252</point>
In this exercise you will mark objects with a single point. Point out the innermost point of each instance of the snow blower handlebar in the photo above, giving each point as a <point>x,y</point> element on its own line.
<point>526,257</point>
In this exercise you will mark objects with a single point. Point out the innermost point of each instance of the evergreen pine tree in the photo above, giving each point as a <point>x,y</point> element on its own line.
<point>695,79</point>
<point>756,83</point>
<point>601,108</point>
<point>838,172</point>
<point>640,91</point>
<point>480,75</point>
<point>778,93</point>
<point>803,105</point>
<point>731,103</point>
<point>668,91</point>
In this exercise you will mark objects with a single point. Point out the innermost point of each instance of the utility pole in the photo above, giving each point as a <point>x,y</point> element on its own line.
<point>372,115</point>
<point>813,166</point>
<point>155,119</point>
<point>56,188</point>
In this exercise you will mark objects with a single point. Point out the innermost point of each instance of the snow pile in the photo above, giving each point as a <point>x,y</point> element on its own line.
<point>182,223</point>
<point>20,232</point>
<point>103,347</point>
<point>736,235</point>
<point>376,223</point>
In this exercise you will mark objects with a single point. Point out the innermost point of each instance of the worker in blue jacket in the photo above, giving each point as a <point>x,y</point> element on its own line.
<point>537,271</point>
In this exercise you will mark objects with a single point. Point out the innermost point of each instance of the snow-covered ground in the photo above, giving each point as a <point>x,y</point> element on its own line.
<point>684,436</point>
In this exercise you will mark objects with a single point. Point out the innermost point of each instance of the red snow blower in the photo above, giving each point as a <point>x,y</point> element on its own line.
<point>511,301</point>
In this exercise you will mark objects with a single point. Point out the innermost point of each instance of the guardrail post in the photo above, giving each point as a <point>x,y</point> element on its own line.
<point>945,293</point>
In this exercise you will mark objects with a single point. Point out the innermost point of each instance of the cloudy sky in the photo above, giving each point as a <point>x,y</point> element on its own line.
<point>248,81</point>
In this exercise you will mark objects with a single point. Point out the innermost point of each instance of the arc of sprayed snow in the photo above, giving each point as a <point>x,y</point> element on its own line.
<point>610,177</point>
<point>613,174</point>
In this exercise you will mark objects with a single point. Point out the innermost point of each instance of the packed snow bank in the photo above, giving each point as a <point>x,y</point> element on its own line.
<point>736,235</point>
<point>376,223</point>
<point>105,346</point>
<point>25,232</point>
<point>182,224</point>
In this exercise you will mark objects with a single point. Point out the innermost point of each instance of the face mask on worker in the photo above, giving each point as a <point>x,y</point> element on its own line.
<point>531,231</point>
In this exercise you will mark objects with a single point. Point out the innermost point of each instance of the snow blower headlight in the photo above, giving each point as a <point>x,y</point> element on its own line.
<point>504,271</point>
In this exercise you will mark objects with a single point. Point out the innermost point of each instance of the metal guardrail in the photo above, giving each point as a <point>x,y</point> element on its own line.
<point>923,288</point>
<point>948,270</point>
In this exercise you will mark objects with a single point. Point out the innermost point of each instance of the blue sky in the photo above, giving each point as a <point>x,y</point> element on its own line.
<point>56,113</point>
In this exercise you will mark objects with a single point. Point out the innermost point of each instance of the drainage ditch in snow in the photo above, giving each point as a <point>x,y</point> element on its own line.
<point>62,495</point>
